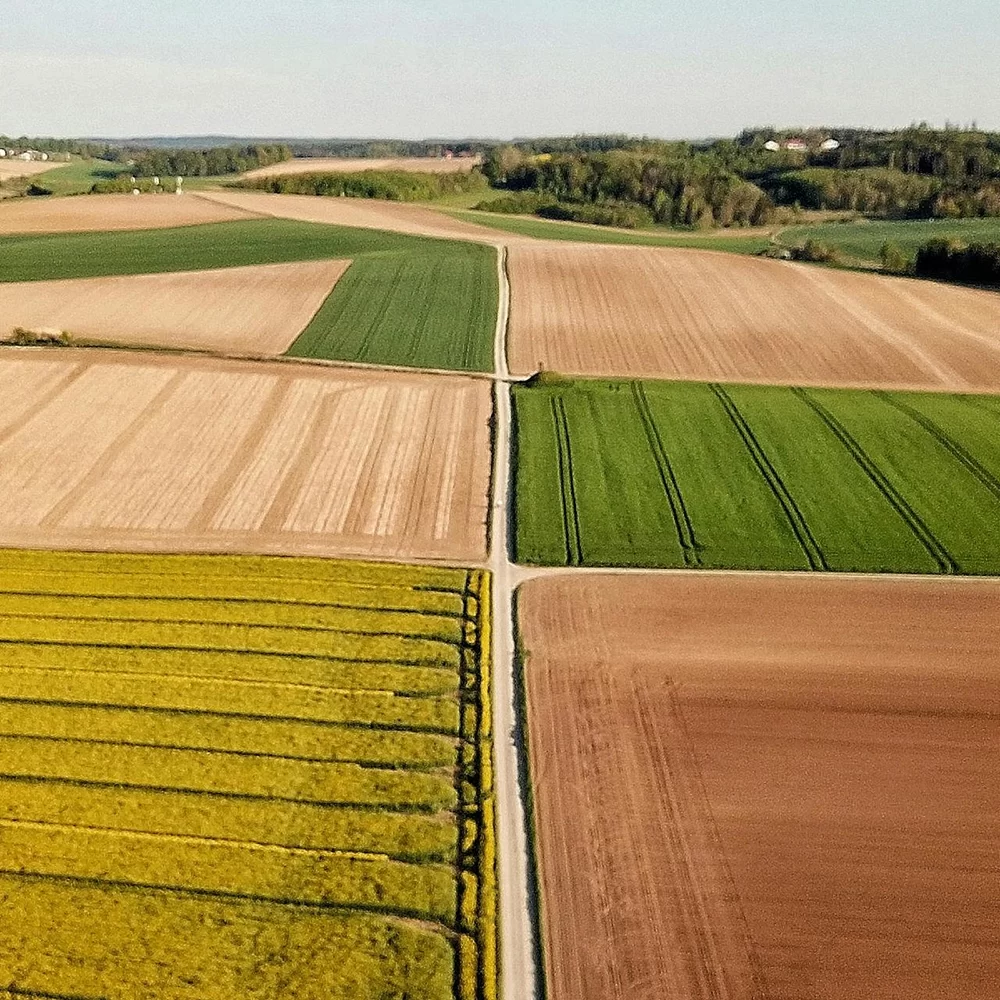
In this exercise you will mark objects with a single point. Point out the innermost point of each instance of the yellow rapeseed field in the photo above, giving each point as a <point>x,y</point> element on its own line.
<point>227,778</point>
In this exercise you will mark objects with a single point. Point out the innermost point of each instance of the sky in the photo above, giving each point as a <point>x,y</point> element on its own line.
<point>461,68</point>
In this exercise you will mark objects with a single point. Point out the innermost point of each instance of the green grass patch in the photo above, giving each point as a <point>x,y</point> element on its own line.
<point>750,477</point>
<point>77,176</point>
<point>405,300</point>
<point>219,740</point>
<point>862,240</point>
<point>580,233</point>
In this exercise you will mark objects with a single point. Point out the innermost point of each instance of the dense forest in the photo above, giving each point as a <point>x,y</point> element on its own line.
<point>916,172</point>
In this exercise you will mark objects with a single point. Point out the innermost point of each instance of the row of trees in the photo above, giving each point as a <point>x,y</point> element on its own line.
<point>202,162</point>
<point>388,185</point>
<point>951,260</point>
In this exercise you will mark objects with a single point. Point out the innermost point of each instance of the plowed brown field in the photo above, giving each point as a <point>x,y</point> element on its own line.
<point>755,786</point>
<point>247,309</point>
<point>86,213</point>
<point>664,313</point>
<point>112,450</point>
<point>342,165</point>
<point>360,212</point>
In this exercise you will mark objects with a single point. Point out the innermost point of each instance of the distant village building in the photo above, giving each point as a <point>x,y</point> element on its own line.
<point>796,145</point>
<point>772,145</point>
<point>829,144</point>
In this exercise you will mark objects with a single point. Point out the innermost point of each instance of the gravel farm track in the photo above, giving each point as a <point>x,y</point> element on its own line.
<point>250,310</point>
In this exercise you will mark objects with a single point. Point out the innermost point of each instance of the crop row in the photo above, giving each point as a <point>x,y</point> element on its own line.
<point>234,665</point>
<point>202,772</point>
<point>754,477</point>
<point>245,699</point>
<point>226,636</point>
<point>274,614</point>
<point>285,739</point>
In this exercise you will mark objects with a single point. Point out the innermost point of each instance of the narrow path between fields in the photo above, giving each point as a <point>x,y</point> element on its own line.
<point>518,935</point>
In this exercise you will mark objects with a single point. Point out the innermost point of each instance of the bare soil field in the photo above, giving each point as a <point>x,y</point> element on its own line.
<point>116,450</point>
<point>255,310</point>
<point>87,213</point>
<point>341,165</point>
<point>10,169</point>
<point>665,313</point>
<point>754,786</point>
<point>363,213</point>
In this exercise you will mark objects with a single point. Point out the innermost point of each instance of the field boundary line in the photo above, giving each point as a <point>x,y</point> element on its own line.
<point>678,509</point>
<point>913,520</point>
<point>796,519</point>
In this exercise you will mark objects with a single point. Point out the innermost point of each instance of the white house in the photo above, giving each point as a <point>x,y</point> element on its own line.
<point>797,145</point>
<point>772,146</point>
<point>829,144</point>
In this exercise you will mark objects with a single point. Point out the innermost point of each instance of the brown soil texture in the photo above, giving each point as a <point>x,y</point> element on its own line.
<point>756,786</point>
<point>93,213</point>
<point>342,165</point>
<point>11,169</point>
<point>116,450</point>
<point>255,310</point>
<point>363,213</point>
<point>686,314</point>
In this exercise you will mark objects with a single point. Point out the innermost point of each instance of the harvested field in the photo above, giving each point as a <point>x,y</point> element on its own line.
<point>712,476</point>
<point>344,165</point>
<point>204,454</point>
<point>363,213</point>
<point>248,309</point>
<point>810,807</point>
<point>671,314</point>
<point>13,168</point>
<point>227,777</point>
<point>86,213</point>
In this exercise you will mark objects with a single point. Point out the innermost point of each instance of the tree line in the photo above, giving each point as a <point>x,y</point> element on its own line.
<point>201,162</point>
<point>388,185</point>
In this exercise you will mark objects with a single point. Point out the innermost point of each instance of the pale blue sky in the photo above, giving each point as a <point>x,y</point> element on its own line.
<point>486,68</point>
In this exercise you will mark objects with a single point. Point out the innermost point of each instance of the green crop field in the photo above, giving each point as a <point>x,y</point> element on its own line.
<point>756,477</point>
<point>228,777</point>
<point>862,240</point>
<point>78,176</point>
<point>405,300</point>
<point>730,241</point>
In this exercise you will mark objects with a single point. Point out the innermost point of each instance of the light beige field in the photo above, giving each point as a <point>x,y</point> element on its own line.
<point>763,788</point>
<point>85,213</point>
<point>685,314</point>
<point>10,169</point>
<point>363,213</point>
<point>343,165</point>
<point>117,450</point>
<point>254,310</point>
